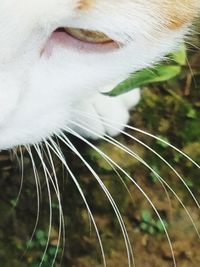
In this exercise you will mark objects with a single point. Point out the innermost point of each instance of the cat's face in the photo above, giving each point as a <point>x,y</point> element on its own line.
<point>45,72</point>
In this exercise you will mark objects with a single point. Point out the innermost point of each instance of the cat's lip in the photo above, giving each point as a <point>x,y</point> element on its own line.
<point>66,39</point>
<point>89,36</point>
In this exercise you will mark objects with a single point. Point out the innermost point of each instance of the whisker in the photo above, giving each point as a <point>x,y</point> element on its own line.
<point>80,112</point>
<point>152,150</point>
<point>137,186</point>
<point>46,174</point>
<point>161,180</point>
<point>61,216</point>
<point>22,174</point>
<point>36,177</point>
<point>58,153</point>
<point>165,184</point>
<point>111,200</point>
<point>15,154</point>
<point>127,150</point>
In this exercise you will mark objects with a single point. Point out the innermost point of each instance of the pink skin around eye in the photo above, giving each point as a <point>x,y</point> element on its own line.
<point>65,40</point>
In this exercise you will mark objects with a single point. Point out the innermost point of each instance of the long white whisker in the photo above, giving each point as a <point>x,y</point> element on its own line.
<point>137,186</point>
<point>130,152</point>
<point>22,174</point>
<point>164,184</point>
<point>157,154</point>
<point>80,112</point>
<point>37,148</point>
<point>111,200</point>
<point>36,177</point>
<point>61,217</point>
<point>58,153</point>
<point>15,154</point>
<point>126,149</point>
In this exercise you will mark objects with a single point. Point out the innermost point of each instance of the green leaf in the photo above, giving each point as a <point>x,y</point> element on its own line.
<point>180,56</point>
<point>151,230</point>
<point>40,235</point>
<point>151,75</point>
<point>161,143</point>
<point>160,226</point>
<point>146,216</point>
<point>192,114</point>
<point>144,226</point>
<point>52,251</point>
<point>30,244</point>
<point>14,202</point>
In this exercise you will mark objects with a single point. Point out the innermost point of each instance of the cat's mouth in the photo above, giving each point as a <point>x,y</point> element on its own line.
<point>79,39</point>
<point>94,37</point>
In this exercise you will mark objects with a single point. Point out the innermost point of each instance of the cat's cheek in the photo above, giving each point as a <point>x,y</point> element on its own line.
<point>9,96</point>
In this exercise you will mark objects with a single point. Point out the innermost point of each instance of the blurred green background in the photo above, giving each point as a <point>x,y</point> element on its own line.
<point>170,110</point>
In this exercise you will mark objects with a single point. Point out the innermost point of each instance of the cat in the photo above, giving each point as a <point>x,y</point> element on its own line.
<point>58,57</point>
<point>49,66</point>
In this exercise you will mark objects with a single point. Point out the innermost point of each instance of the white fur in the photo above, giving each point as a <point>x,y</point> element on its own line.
<point>37,94</point>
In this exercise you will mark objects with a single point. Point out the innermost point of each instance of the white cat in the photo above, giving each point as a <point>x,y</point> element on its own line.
<point>57,57</point>
<point>49,68</point>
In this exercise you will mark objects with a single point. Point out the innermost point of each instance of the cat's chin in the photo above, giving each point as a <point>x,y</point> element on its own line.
<point>64,39</point>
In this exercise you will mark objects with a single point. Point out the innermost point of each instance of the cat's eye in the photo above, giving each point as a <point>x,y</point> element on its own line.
<point>88,36</point>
